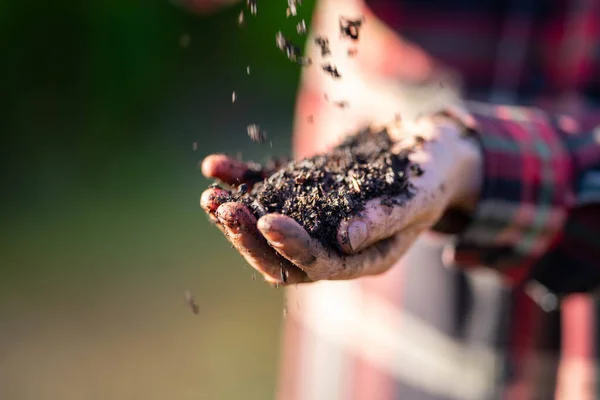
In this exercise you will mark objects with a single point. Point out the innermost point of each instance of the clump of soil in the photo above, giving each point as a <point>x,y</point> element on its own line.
<point>319,192</point>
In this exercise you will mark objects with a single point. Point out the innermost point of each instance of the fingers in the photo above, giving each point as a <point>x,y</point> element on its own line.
<point>240,228</point>
<point>231,171</point>
<point>211,199</point>
<point>381,219</point>
<point>288,238</point>
<point>322,263</point>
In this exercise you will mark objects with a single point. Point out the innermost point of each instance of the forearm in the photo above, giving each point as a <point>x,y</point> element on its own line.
<point>318,122</point>
<point>533,171</point>
<point>375,82</point>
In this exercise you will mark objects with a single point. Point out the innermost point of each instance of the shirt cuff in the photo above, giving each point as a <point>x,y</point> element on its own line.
<point>526,191</point>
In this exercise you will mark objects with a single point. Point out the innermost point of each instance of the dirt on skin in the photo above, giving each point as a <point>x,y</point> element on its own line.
<point>319,192</point>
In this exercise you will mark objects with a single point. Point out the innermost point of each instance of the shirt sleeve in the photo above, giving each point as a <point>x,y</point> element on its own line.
<point>541,176</point>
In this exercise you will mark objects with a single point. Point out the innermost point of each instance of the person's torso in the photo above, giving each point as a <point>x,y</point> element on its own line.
<point>507,51</point>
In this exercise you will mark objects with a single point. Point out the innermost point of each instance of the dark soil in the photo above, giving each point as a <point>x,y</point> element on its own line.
<point>321,191</point>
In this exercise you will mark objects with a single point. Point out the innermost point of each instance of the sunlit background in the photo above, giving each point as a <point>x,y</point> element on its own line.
<point>101,232</point>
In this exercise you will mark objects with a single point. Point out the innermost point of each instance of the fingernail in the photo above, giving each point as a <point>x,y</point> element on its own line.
<point>275,238</point>
<point>357,234</point>
<point>267,228</point>
<point>228,219</point>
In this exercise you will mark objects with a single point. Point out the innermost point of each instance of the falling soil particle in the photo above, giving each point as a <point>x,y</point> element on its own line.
<point>321,191</point>
<point>323,43</point>
<point>341,104</point>
<point>252,6</point>
<point>256,134</point>
<point>301,27</point>
<point>191,302</point>
<point>350,28</point>
<point>285,45</point>
<point>331,70</point>
<point>292,9</point>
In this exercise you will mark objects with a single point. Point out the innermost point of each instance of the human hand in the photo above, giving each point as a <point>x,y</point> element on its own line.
<point>370,242</point>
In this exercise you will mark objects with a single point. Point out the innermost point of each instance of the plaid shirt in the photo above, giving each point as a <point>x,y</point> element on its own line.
<point>490,327</point>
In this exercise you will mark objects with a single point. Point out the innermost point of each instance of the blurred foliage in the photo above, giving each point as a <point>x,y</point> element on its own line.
<point>83,78</point>
<point>101,229</point>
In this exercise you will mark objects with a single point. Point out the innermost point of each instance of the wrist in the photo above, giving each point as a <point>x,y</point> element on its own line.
<point>465,175</point>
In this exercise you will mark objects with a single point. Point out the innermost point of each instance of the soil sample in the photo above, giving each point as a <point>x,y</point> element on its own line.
<point>319,192</point>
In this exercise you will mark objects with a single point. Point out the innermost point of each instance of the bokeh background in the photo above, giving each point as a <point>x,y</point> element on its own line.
<point>101,231</point>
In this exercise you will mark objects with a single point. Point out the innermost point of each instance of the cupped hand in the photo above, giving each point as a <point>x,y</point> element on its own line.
<point>369,242</point>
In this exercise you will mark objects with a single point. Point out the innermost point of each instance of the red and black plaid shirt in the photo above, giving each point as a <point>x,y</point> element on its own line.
<point>538,220</point>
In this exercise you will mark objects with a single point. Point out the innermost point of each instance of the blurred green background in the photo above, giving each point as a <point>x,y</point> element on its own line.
<point>101,231</point>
